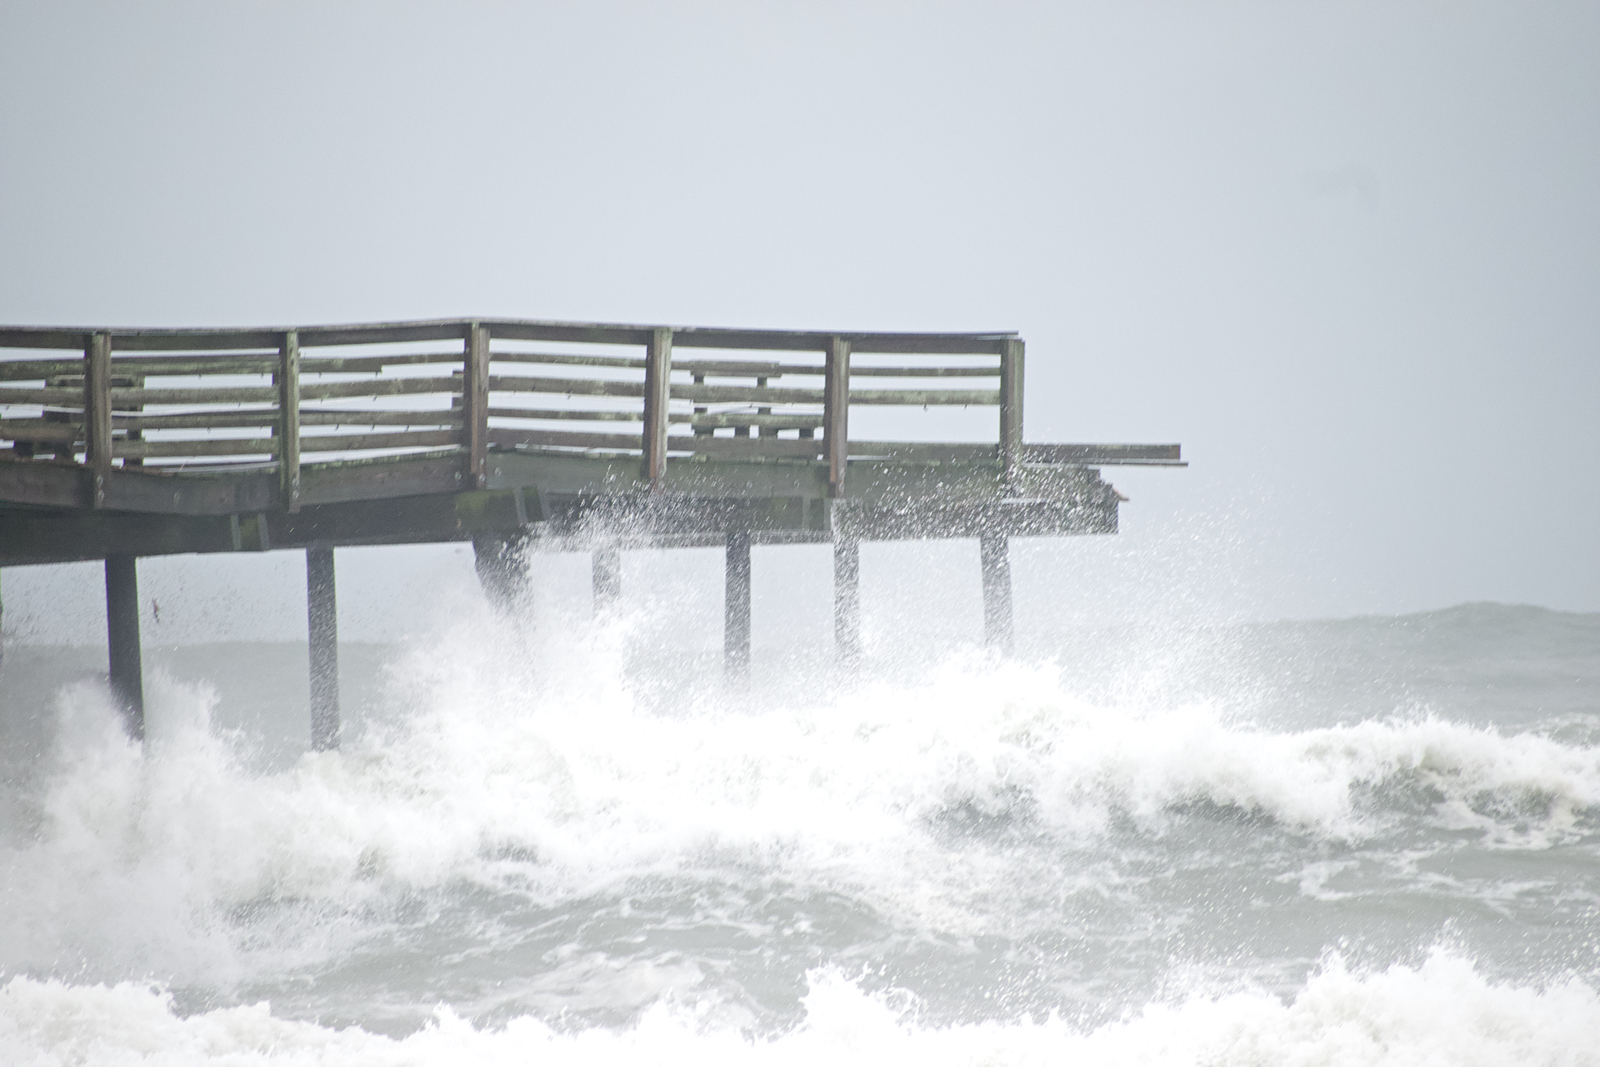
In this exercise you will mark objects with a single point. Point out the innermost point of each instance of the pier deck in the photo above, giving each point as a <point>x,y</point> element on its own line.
<point>518,434</point>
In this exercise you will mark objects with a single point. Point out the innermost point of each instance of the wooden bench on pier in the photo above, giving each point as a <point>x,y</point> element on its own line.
<point>520,436</point>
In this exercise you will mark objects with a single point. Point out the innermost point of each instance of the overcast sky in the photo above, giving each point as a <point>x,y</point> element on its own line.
<point>1348,254</point>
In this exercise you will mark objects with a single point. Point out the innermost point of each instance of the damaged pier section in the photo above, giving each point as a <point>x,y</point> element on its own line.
<point>522,437</point>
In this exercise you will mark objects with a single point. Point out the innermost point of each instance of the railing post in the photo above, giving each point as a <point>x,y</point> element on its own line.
<point>289,421</point>
<point>836,413</point>
<point>475,405</point>
<point>657,393</point>
<point>1011,409</point>
<point>97,415</point>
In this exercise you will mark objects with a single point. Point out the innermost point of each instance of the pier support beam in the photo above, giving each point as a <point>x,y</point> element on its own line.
<point>122,634</point>
<point>502,570</point>
<point>322,617</point>
<point>607,564</point>
<point>847,600</point>
<point>736,617</point>
<point>992,549</point>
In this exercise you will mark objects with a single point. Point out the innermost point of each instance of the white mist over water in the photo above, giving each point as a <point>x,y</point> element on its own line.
<point>539,839</point>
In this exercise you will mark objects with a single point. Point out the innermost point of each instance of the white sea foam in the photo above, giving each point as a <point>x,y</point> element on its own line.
<point>553,773</point>
<point>1442,1012</point>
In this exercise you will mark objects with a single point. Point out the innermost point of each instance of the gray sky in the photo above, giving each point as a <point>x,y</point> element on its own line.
<point>1348,254</point>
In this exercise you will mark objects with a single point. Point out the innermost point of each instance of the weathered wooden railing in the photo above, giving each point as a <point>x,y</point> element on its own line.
<point>516,433</point>
<point>197,399</point>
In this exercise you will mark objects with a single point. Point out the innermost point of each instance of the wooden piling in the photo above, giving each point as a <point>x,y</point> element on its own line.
<point>122,633</point>
<point>607,565</point>
<point>736,618</point>
<point>322,617</point>
<point>996,563</point>
<point>847,599</point>
<point>502,570</point>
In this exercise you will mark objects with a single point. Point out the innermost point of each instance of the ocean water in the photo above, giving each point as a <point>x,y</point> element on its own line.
<point>545,839</point>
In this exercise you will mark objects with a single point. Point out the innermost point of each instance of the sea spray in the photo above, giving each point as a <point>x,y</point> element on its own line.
<point>522,830</point>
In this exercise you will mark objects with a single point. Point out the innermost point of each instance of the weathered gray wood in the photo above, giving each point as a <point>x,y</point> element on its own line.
<point>49,396</point>
<point>376,387</point>
<point>847,598</point>
<point>322,624</point>
<point>565,439</point>
<point>836,413</point>
<point>571,415</point>
<point>440,418</point>
<point>211,446</point>
<point>41,430</point>
<point>97,415</point>
<point>264,417</point>
<point>736,614</point>
<point>726,368</point>
<point>195,365</point>
<point>606,565</point>
<point>726,394</point>
<point>1011,456</point>
<point>122,636</point>
<point>38,370</point>
<point>359,442</point>
<point>765,422</point>
<point>733,394</point>
<point>266,338</point>
<point>565,359</point>
<point>267,446</point>
<point>925,372</point>
<point>288,428</point>
<point>371,364</point>
<point>44,337</point>
<point>475,405</point>
<point>570,386</point>
<point>657,391</point>
<point>996,563</point>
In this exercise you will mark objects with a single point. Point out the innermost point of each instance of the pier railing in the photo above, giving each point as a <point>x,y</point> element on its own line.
<point>202,399</point>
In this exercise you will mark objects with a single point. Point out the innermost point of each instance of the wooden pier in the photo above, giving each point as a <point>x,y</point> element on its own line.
<point>520,436</point>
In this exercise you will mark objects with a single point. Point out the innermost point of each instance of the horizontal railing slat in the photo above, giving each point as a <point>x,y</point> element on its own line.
<point>26,370</point>
<point>362,441</point>
<point>377,387</point>
<point>357,364</point>
<point>712,394</point>
<point>774,422</point>
<point>40,430</point>
<point>63,397</point>
<point>573,386</point>
<point>924,372</point>
<point>728,394</point>
<point>126,399</point>
<point>567,414</point>
<point>567,359</point>
<point>566,439</point>
<point>210,363</point>
<point>209,446</point>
